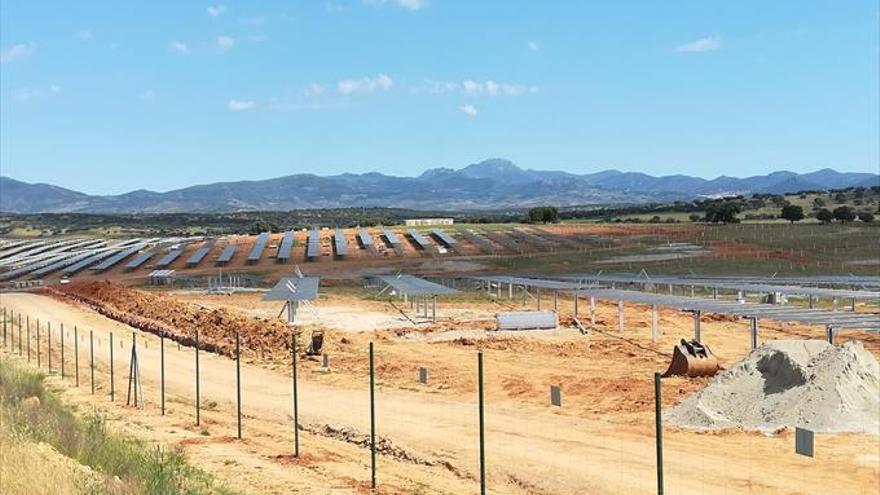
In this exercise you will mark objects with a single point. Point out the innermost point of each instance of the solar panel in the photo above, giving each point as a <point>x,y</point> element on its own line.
<point>340,243</point>
<point>286,246</point>
<point>313,249</point>
<point>226,254</point>
<point>257,249</point>
<point>116,258</point>
<point>294,289</point>
<point>419,239</point>
<point>57,265</point>
<point>169,258</point>
<point>414,286</point>
<point>481,242</point>
<point>89,261</point>
<point>139,260</point>
<point>391,237</point>
<point>200,254</point>
<point>444,238</point>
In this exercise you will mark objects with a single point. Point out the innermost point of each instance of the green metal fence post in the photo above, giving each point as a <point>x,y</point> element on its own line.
<point>372,419</point>
<point>238,381</point>
<point>112,382</point>
<point>198,405</point>
<point>162,371</point>
<point>295,397</point>
<point>482,424</point>
<point>658,421</point>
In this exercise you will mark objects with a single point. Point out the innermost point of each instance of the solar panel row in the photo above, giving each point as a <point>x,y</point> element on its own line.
<point>139,260</point>
<point>116,258</point>
<point>89,261</point>
<point>419,239</point>
<point>313,249</point>
<point>444,238</point>
<point>391,237</point>
<point>285,248</point>
<point>294,289</point>
<point>169,258</point>
<point>200,254</point>
<point>226,254</point>
<point>57,265</point>
<point>257,250</point>
<point>340,243</point>
<point>364,238</point>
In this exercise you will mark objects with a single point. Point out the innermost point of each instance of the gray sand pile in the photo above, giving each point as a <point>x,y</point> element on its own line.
<point>806,383</point>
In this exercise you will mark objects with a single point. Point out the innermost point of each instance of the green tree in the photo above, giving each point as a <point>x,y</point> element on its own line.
<point>792,213</point>
<point>866,217</point>
<point>722,212</point>
<point>824,215</point>
<point>544,214</point>
<point>844,214</point>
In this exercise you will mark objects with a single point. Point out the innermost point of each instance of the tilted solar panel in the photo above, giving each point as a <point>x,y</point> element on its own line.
<point>169,258</point>
<point>257,249</point>
<point>139,260</point>
<point>294,289</point>
<point>116,258</point>
<point>226,254</point>
<point>340,243</point>
<point>313,249</point>
<point>419,238</point>
<point>200,254</point>
<point>285,248</point>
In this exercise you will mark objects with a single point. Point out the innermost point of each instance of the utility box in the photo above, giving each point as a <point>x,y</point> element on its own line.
<point>526,320</point>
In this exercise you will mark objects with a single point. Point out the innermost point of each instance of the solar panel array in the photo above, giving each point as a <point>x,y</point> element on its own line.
<point>366,240</point>
<point>139,260</point>
<point>394,241</point>
<point>257,249</point>
<point>558,238</point>
<point>414,286</point>
<point>502,240</point>
<point>294,289</point>
<point>57,265</point>
<point>313,248</point>
<point>339,243</point>
<point>532,239</point>
<point>226,254</point>
<point>445,238</point>
<point>200,254</point>
<point>116,258</point>
<point>89,261</point>
<point>419,239</point>
<point>285,247</point>
<point>485,245</point>
<point>169,258</point>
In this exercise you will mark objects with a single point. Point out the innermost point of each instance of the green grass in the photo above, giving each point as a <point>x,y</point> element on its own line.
<point>142,469</point>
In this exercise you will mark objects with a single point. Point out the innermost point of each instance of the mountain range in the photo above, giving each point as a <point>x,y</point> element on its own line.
<point>490,184</point>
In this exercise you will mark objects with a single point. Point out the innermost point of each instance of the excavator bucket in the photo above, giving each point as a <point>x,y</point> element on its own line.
<point>692,359</point>
<point>316,344</point>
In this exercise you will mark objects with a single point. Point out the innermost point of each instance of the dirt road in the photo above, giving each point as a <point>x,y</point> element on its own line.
<point>530,449</point>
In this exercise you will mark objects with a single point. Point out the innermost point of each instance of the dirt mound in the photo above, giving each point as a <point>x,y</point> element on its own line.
<point>157,313</point>
<point>806,383</point>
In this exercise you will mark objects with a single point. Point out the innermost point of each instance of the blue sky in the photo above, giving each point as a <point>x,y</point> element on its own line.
<point>107,97</point>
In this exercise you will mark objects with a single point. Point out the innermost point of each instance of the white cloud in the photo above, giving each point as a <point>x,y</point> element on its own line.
<point>84,35</point>
<point>492,88</point>
<point>701,45</point>
<point>533,46</point>
<point>240,105</point>
<point>148,94</point>
<point>225,43</point>
<point>411,5</point>
<point>17,52</point>
<point>365,85</point>
<point>468,110</point>
<point>314,89</point>
<point>26,95</point>
<point>180,47</point>
<point>216,10</point>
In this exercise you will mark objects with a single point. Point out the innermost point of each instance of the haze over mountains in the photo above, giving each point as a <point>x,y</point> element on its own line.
<point>490,184</point>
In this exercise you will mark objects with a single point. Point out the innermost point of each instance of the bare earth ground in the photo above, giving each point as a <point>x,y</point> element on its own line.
<point>600,441</point>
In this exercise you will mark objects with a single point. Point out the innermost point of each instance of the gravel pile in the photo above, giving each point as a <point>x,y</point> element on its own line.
<point>806,383</point>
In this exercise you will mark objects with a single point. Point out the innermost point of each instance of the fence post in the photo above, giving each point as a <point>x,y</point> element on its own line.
<point>62,350</point>
<point>658,421</point>
<point>92,359</point>
<point>372,419</point>
<point>295,398</point>
<point>482,424</point>
<point>162,371</point>
<point>27,333</point>
<point>38,344</point>
<point>49,345</point>
<point>112,383</point>
<point>238,381</point>
<point>76,355</point>
<point>19,333</point>
<point>4,328</point>
<point>198,405</point>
